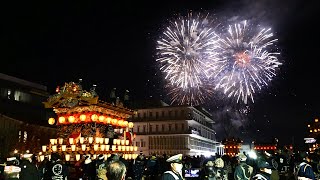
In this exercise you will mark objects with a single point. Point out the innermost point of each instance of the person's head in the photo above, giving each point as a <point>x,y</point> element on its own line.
<point>304,156</point>
<point>242,158</point>
<point>264,166</point>
<point>116,170</point>
<point>55,157</point>
<point>87,159</point>
<point>176,163</point>
<point>27,157</point>
<point>219,163</point>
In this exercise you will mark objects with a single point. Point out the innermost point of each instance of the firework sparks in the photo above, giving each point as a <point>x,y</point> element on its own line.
<point>185,50</point>
<point>191,96</point>
<point>246,63</point>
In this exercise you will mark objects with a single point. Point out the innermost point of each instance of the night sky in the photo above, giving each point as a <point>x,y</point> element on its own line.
<point>112,44</point>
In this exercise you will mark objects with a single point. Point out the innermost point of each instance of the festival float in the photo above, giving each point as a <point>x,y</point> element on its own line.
<point>88,126</point>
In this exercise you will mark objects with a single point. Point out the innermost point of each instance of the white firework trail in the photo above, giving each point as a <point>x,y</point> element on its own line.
<point>245,63</point>
<point>184,53</point>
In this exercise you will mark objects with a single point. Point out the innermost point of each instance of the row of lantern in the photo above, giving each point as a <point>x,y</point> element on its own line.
<point>94,156</point>
<point>96,147</point>
<point>265,147</point>
<point>93,118</point>
<point>82,140</point>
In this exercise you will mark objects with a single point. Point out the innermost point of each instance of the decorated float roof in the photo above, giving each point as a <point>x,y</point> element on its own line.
<point>72,98</point>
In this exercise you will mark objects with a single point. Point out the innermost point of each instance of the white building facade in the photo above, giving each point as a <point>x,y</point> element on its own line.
<point>175,129</point>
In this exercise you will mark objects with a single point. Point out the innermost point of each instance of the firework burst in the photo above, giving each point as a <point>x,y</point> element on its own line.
<point>246,63</point>
<point>184,53</point>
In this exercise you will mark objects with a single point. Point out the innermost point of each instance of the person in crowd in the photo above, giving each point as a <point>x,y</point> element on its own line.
<point>243,171</point>
<point>116,170</point>
<point>88,168</point>
<point>28,169</point>
<point>208,171</point>
<point>101,168</point>
<point>272,160</point>
<point>56,168</point>
<point>2,165</point>
<point>264,170</point>
<point>151,167</point>
<point>12,169</point>
<point>304,169</point>
<point>220,173</point>
<point>175,172</point>
<point>43,168</point>
<point>138,167</point>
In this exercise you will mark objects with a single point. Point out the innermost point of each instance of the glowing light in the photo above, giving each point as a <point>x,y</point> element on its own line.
<point>51,121</point>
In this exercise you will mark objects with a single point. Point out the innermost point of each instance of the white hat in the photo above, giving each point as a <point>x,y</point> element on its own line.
<point>175,159</point>
<point>219,163</point>
<point>11,158</point>
<point>27,155</point>
<point>101,156</point>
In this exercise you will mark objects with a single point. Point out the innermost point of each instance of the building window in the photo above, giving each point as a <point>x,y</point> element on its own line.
<point>138,144</point>
<point>150,114</point>
<point>138,115</point>
<point>142,143</point>
<point>182,112</point>
<point>138,129</point>
<point>182,127</point>
<point>162,114</point>
<point>157,128</point>
<point>170,113</point>
<point>144,115</point>
<point>176,113</point>
<point>169,127</point>
<point>9,94</point>
<point>162,127</point>
<point>19,136</point>
<point>144,128</point>
<point>150,128</point>
<point>157,115</point>
<point>176,127</point>
<point>17,95</point>
<point>25,136</point>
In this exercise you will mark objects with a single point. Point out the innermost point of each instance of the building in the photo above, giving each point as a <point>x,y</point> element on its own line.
<point>175,129</point>
<point>23,118</point>
<point>313,136</point>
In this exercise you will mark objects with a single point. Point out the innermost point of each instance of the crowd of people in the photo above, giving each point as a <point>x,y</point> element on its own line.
<point>244,166</point>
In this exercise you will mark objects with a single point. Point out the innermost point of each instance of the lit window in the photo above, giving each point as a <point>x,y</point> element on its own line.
<point>19,136</point>
<point>9,93</point>
<point>316,120</point>
<point>17,95</point>
<point>25,136</point>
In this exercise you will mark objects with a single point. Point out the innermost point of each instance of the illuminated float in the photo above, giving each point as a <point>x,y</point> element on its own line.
<point>88,126</point>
